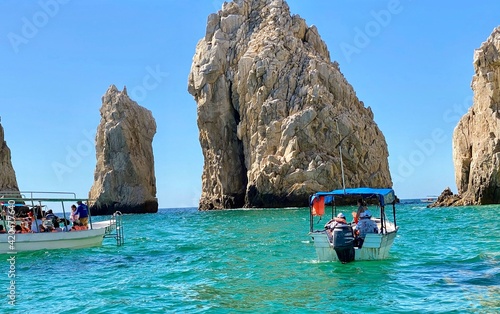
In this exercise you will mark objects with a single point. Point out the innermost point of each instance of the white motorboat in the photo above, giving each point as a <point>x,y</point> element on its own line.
<point>14,212</point>
<point>429,199</point>
<point>341,245</point>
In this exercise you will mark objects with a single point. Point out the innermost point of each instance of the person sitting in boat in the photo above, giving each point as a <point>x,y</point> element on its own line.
<point>49,225</point>
<point>25,225</point>
<point>37,224</point>
<point>77,226</point>
<point>330,225</point>
<point>18,229</point>
<point>64,223</point>
<point>50,215</point>
<point>73,216</point>
<point>340,219</point>
<point>361,208</point>
<point>366,224</point>
<point>57,227</point>
<point>83,213</point>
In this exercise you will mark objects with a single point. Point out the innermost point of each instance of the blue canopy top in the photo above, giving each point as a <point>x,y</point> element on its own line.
<point>385,196</point>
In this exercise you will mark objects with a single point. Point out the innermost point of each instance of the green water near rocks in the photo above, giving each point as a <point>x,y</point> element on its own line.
<point>444,260</point>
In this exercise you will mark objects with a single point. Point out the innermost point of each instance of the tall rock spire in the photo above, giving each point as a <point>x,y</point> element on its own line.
<point>476,139</point>
<point>269,100</point>
<point>124,178</point>
<point>8,181</point>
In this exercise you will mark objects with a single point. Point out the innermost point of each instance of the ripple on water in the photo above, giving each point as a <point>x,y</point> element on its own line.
<point>262,261</point>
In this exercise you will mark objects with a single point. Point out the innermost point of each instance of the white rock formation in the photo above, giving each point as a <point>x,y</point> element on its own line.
<point>268,100</point>
<point>124,178</point>
<point>476,138</point>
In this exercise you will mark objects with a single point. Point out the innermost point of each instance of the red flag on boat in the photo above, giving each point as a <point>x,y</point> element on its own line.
<point>318,205</point>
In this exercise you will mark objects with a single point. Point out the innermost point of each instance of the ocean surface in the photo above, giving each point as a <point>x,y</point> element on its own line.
<point>444,260</point>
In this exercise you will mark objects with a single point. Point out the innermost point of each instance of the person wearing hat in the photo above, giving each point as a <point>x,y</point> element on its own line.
<point>50,215</point>
<point>340,219</point>
<point>366,224</point>
<point>330,225</point>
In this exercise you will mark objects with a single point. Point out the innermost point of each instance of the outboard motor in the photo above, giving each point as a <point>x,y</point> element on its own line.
<point>343,243</point>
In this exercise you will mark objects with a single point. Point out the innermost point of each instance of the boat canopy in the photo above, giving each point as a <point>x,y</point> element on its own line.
<point>385,196</point>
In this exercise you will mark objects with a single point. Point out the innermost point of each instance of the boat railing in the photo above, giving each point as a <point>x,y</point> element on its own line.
<point>34,194</point>
<point>115,228</point>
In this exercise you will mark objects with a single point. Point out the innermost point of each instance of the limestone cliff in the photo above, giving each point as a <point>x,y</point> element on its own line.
<point>269,99</point>
<point>8,181</point>
<point>476,138</point>
<point>124,178</point>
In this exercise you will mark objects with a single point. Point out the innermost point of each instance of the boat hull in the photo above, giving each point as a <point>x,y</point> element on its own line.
<point>51,240</point>
<point>375,247</point>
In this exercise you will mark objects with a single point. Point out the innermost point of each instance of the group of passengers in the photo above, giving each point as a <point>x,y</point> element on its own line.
<point>362,223</point>
<point>49,222</point>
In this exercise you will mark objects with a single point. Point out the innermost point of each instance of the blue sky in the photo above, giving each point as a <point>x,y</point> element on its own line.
<point>410,61</point>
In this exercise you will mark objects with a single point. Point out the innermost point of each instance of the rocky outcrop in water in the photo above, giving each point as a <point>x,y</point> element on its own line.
<point>447,198</point>
<point>269,99</point>
<point>476,139</point>
<point>124,178</point>
<point>8,181</point>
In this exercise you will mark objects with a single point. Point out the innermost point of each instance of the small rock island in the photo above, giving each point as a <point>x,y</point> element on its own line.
<point>124,178</point>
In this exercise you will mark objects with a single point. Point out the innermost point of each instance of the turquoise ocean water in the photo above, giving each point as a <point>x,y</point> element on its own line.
<point>444,260</point>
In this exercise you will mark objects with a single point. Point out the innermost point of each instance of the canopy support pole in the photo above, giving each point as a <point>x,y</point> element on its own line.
<point>340,150</point>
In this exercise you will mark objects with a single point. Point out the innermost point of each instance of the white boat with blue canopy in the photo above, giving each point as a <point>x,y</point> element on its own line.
<point>340,244</point>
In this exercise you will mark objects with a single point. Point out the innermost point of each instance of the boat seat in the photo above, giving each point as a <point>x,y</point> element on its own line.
<point>372,240</point>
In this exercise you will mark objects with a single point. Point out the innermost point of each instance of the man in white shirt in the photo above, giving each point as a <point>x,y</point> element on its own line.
<point>366,225</point>
<point>36,224</point>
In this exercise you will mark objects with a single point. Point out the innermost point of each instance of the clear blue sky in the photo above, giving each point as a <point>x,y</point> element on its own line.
<point>410,61</point>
